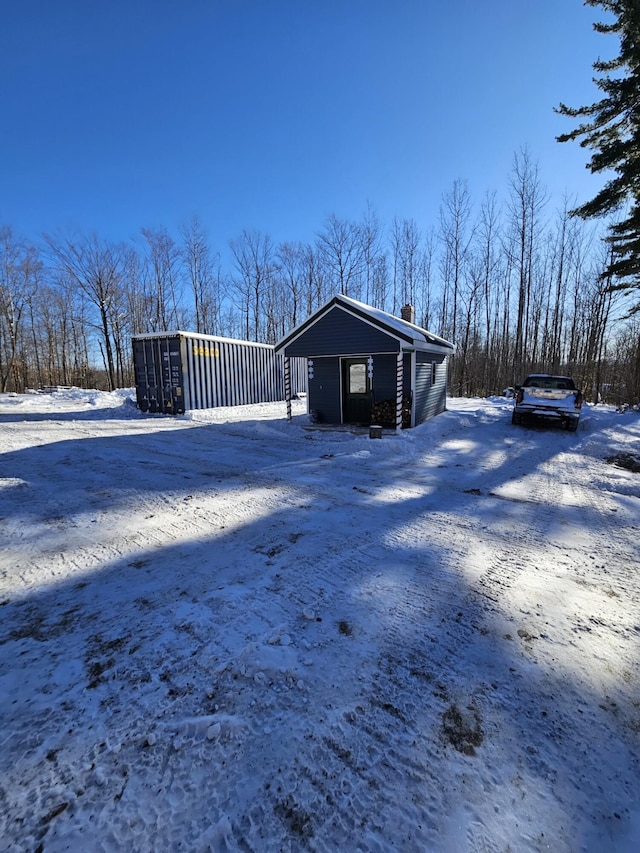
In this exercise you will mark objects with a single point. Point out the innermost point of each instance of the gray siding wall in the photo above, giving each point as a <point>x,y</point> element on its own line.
<point>384,376</point>
<point>340,333</point>
<point>430,399</point>
<point>324,390</point>
<point>177,373</point>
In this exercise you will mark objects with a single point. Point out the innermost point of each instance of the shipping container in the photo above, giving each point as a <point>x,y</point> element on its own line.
<point>176,372</point>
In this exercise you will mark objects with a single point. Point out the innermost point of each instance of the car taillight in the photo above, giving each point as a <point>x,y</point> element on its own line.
<point>578,400</point>
<point>519,396</point>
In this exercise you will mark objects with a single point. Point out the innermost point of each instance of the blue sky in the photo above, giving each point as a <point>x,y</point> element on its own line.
<point>271,114</point>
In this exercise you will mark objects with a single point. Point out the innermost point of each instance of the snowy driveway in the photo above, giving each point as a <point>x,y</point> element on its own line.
<point>226,632</point>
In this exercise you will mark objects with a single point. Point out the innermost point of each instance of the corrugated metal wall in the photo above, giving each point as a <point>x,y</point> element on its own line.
<point>209,372</point>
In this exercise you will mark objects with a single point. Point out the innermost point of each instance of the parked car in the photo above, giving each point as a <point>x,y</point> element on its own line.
<point>550,398</point>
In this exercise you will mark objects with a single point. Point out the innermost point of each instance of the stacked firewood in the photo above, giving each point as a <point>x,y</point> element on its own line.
<point>384,413</point>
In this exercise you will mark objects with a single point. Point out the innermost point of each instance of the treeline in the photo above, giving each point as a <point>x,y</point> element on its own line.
<point>516,286</point>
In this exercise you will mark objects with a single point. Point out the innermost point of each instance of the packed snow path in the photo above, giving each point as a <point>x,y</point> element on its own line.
<point>226,632</point>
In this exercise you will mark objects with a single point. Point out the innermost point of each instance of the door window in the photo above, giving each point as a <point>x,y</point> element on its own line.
<point>358,378</point>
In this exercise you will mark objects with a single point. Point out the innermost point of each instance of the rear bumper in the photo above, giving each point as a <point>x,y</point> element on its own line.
<point>545,413</point>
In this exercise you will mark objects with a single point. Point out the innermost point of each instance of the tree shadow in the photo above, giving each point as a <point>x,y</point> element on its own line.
<point>308,629</point>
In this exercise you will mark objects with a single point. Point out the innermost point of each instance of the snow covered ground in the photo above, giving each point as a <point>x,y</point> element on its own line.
<point>226,632</point>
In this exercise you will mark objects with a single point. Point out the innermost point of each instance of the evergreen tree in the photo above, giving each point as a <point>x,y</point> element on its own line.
<point>612,131</point>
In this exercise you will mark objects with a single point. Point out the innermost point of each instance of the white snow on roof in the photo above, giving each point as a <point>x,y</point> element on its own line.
<point>403,327</point>
<point>420,337</point>
<point>197,336</point>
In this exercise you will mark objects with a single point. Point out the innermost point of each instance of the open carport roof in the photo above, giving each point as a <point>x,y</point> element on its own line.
<point>408,332</point>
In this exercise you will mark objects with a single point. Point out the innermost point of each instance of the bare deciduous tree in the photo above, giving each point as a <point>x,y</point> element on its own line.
<point>97,268</point>
<point>162,279</point>
<point>291,274</point>
<point>527,199</point>
<point>371,237</point>
<point>456,236</point>
<point>203,273</point>
<point>19,274</point>
<point>254,262</point>
<point>341,249</point>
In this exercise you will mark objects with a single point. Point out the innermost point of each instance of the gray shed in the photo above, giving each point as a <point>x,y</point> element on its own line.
<point>368,367</point>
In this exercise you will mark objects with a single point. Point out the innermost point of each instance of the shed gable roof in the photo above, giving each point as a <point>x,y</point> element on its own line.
<point>394,327</point>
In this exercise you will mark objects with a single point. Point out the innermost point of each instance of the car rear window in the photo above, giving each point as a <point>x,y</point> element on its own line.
<point>560,383</point>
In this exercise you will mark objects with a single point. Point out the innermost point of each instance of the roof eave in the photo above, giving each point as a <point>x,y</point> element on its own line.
<point>414,336</point>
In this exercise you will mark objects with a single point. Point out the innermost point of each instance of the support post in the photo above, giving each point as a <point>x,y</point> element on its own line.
<point>287,385</point>
<point>399,388</point>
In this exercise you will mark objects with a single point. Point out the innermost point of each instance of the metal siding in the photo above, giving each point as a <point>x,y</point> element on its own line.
<point>243,375</point>
<point>266,378</point>
<point>197,401</point>
<point>275,373</point>
<point>202,378</point>
<point>155,377</point>
<point>227,373</point>
<point>263,384</point>
<point>184,358</point>
<point>181,371</point>
<point>232,390</point>
<point>195,379</point>
<point>202,368</point>
<point>340,333</point>
<point>324,390</point>
<point>176,380</point>
<point>184,347</point>
<point>140,370</point>
<point>207,380</point>
<point>299,375</point>
<point>243,372</point>
<point>213,375</point>
<point>158,354</point>
<point>235,398</point>
<point>255,387</point>
<point>217,376</point>
<point>202,359</point>
<point>270,378</point>
<point>224,371</point>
